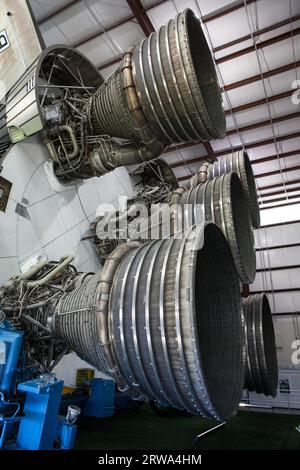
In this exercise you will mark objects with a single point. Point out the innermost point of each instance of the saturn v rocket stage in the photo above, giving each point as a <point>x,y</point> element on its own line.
<point>164,319</point>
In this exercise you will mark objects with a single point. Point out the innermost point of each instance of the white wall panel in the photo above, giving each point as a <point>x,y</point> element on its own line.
<point>41,8</point>
<point>161,14</point>
<point>286,331</point>
<point>273,165</point>
<point>290,186</point>
<point>292,194</point>
<point>291,175</point>
<point>283,400</point>
<point>277,235</point>
<point>281,203</point>
<point>278,257</point>
<point>221,35</point>
<point>67,368</point>
<point>59,215</point>
<point>281,279</point>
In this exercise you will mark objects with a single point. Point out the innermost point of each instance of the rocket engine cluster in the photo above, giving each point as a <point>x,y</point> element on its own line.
<point>164,317</point>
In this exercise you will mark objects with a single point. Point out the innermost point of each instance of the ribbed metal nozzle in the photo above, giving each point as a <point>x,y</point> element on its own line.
<point>239,163</point>
<point>222,200</point>
<point>261,365</point>
<point>165,321</point>
<point>166,89</point>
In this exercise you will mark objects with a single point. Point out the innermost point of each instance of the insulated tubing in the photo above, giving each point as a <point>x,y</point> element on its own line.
<point>176,86</point>
<point>239,163</point>
<point>177,323</point>
<point>174,329</point>
<point>261,365</point>
<point>223,201</point>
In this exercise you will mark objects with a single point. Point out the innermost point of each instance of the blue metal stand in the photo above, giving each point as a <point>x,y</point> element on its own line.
<point>66,434</point>
<point>11,340</point>
<point>39,425</point>
<point>101,402</point>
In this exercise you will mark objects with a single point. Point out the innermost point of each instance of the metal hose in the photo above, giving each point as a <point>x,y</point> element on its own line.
<point>222,201</point>
<point>261,365</point>
<point>200,177</point>
<point>165,320</point>
<point>239,163</point>
<point>63,262</point>
<point>109,155</point>
<point>166,90</point>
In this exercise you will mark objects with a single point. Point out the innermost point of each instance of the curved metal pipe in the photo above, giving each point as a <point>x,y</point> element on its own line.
<point>110,155</point>
<point>63,262</point>
<point>70,131</point>
<point>34,270</point>
<point>200,177</point>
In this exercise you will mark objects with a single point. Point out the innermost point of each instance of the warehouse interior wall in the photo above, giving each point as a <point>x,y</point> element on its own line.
<point>277,245</point>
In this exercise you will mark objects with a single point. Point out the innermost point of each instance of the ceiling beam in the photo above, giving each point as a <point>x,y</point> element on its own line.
<point>211,156</point>
<point>277,224</point>
<point>278,247</point>
<point>279,185</point>
<point>259,45</point>
<point>269,158</point>
<point>107,29</point>
<point>57,12</point>
<point>278,268</point>
<point>108,63</point>
<point>225,10</point>
<point>96,35</point>
<point>256,125</point>
<point>274,291</point>
<point>260,143</point>
<point>277,193</point>
<point>290,203</point>
<point>206,18</point>
<point>260,175</point>
<point>140,14</point>
<point>258,32</point>
<point>74,2</point>
<point>113,26</point>
<point>277,172</point>
<point>249,145</point>
<point>254,104</point>
<point>284,198</point>
<point>243,107</point>
<point>264,75</point>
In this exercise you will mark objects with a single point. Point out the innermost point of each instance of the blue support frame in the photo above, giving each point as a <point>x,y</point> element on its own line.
<point>13,340</point>
<point>38,427</point>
